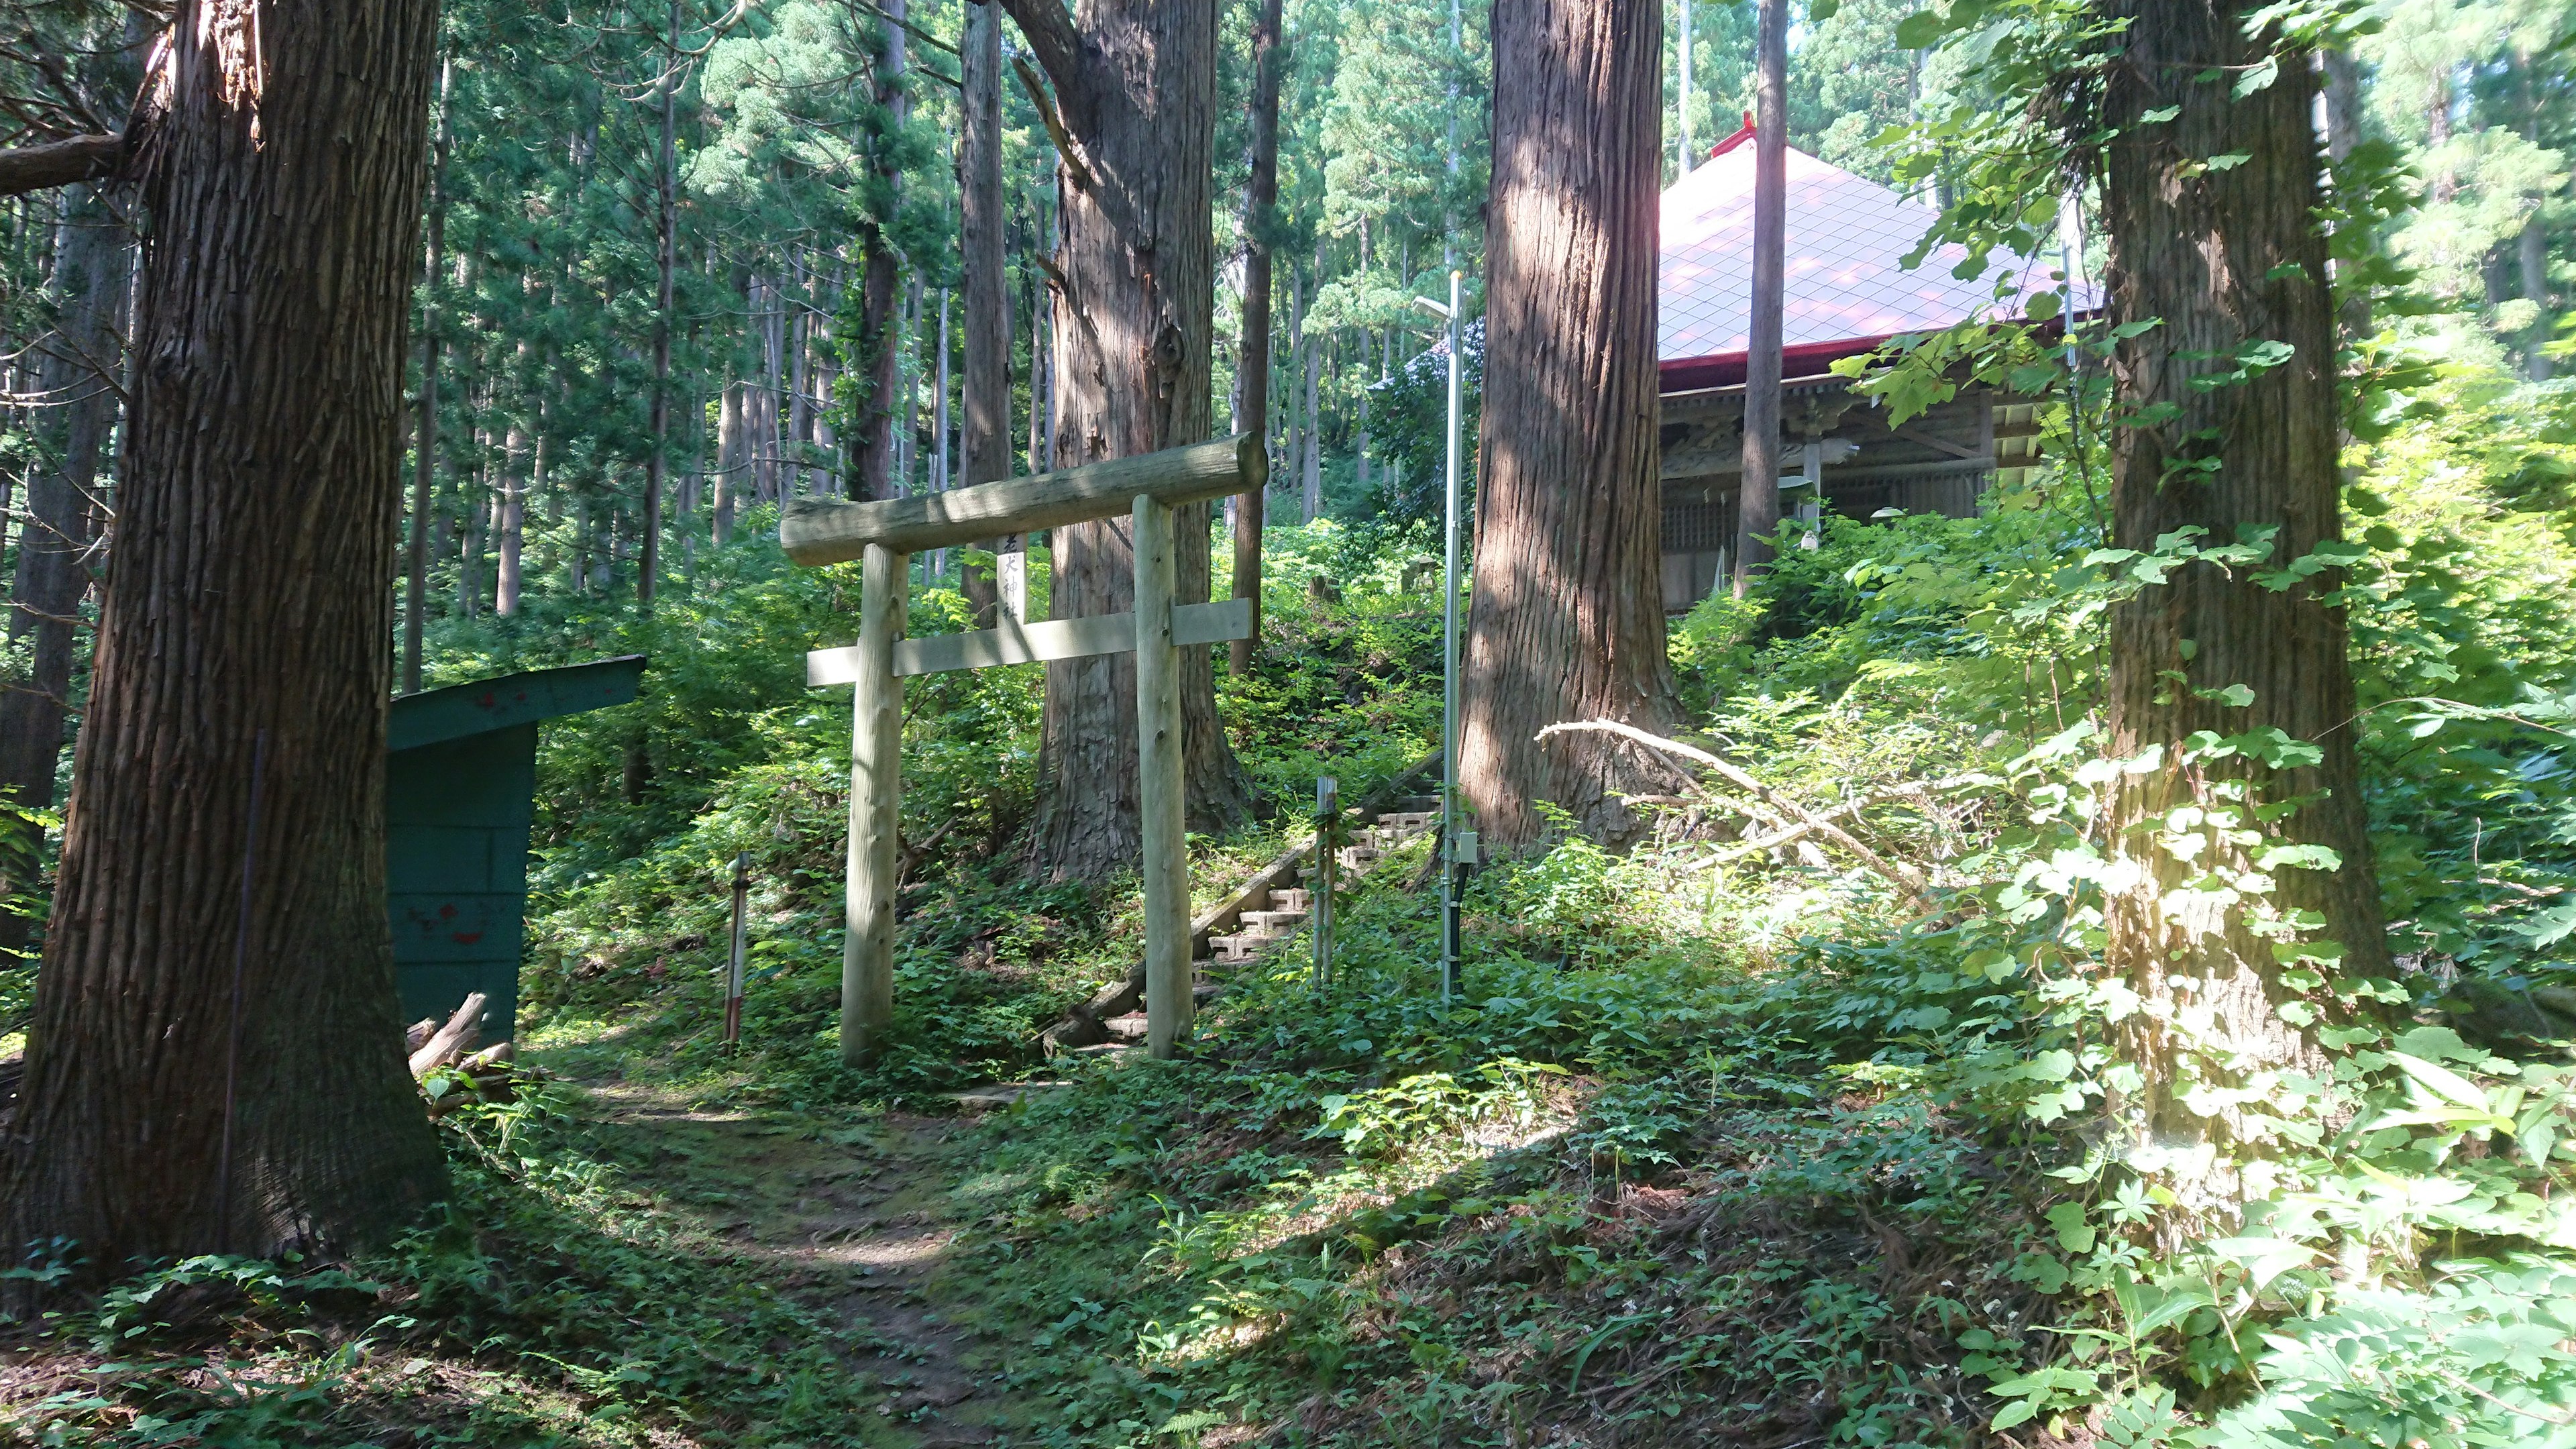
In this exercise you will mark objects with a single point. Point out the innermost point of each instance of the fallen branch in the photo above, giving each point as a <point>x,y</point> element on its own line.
<point>1794,833</point>
<point>59,163</point>
<point>1906,877</point>
<point>452,1039</point>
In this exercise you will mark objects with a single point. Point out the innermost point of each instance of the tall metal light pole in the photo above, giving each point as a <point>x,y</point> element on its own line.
<point>1458,848</point>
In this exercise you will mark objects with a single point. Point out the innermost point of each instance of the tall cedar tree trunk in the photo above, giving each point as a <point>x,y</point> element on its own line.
<point>1568,618</point>
<point>985,283</point>
<point>2227,259</point>
<point>1135,81</point>
<point>1260,200</point>
<point>666,228</point>
<point>1757,494</point>
<point>872,457</point>
<point>424,479</point>
<point>92,275</point>
<point>514,493</point>
<point>255,540</point>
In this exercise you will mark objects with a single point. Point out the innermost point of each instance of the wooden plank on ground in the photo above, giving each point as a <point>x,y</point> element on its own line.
<point>826,530</point>
<point>1016,643</point>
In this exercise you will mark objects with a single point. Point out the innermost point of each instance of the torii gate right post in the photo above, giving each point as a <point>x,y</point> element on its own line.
<point>884,535</point>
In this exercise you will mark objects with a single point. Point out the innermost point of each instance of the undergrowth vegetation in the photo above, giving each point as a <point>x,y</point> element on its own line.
<point>1741,1136</point>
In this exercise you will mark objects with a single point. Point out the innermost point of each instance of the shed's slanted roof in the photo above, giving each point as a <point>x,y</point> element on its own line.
<point>439,715</point>
<point>1846,288</point>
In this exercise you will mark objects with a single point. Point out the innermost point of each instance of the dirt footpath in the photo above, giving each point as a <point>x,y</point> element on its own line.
<point>852,1221</point>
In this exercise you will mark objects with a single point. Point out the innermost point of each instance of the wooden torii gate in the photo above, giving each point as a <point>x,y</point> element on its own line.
<point>883,536</point>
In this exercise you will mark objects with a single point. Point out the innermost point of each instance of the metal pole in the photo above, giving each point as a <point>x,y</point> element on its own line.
<point>1328,813</point>
<point>733,968</point>
<point>1449,813</point>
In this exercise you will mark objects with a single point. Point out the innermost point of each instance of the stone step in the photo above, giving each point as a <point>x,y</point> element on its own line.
<point>1291,899</point>
<point>1273,921</point>
<point>1127,1028</point>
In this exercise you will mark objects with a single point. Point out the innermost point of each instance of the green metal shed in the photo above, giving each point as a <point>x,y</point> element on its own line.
<point>460,796</point>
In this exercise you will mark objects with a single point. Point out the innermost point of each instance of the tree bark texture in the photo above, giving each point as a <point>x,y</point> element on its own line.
<point>2228,259</point>
<point>249,604</point>
<point>986,282</point>
<point>1757,511</point>
<point>1567,620</point>
<point>1135,82</point>
<point>1260,203</point>
<point>81,374</point>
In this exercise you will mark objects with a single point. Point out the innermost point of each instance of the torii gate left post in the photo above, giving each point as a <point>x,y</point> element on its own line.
<point>884,535</point>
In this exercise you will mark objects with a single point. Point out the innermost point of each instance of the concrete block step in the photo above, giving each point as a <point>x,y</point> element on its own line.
<point>1290,899</point>
<point>1126,1028</point>
<point>1273,921</point>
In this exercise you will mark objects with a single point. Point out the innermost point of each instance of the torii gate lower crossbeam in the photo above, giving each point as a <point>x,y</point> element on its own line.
<point>884,535</point>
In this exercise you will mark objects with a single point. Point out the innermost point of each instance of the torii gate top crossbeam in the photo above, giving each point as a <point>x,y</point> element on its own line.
<point>825,530</point>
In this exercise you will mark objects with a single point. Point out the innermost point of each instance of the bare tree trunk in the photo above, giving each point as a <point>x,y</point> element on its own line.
<point>201,1079</point>
<point>81,372</point>
<point>872,441</point>
<point>1037,370</point>
<point>1757,497</point>
<point>514,492</point>
<point>986,285</point>
<point>730,471</point>
<point>1260,205</point>
<point>473,492</point>
<point>1136,87</point>
<point>1310,470</point>
<point>2226,259</point>
<point>2343,132</point>
<point>908,380</point>
<point>1568,621</point>
<point>666,228</point>
<point>2532,252</point>
<point>942,472</point>
<point>763,417</point>
<point>424,485</point>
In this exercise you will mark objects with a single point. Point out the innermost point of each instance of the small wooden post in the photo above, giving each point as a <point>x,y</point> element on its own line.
<point>876,802</point>
<point>1328,841</point>
<point>1159,786</point>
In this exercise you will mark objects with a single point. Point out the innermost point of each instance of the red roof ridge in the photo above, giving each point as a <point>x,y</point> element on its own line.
<point>1731,142</point>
